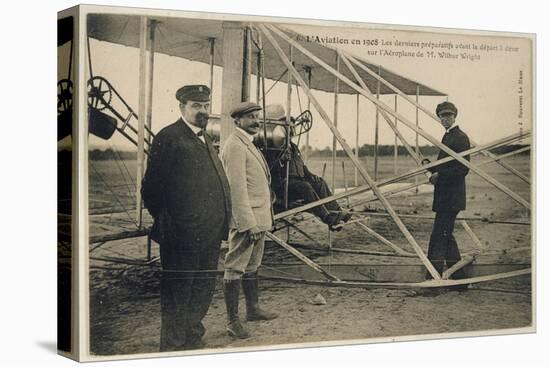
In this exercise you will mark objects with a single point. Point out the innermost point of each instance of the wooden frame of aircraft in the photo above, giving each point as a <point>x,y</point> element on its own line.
<point>311,67</point>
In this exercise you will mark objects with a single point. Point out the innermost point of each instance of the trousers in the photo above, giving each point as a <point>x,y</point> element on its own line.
<point>443,248</point>
<point>187,286</point>
<point>243,256</point>
<point>310,191</point>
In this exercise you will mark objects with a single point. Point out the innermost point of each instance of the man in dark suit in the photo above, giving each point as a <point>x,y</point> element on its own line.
<point>449,180</point>
<point>186,191</point>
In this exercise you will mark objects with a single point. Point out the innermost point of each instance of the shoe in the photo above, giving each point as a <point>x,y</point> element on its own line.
<point>236,330</point>
<point>332,220</point>
<point>336,228</point>
<point>346,216</point>
<point>258,314</point>
<point>250,290</point>
<point>231,289</point>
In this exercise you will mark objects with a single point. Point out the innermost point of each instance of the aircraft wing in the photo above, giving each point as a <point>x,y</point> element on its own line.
<point>189,39</point>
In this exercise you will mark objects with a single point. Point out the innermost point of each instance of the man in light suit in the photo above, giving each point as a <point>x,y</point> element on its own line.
<point>252,216</point>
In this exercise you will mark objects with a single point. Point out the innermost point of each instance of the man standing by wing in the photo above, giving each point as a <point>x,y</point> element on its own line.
<point>449,180</point>
<point>186,191</point>
<point>252,216</point>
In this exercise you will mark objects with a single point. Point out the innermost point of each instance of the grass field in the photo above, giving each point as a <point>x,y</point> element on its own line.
<point>113,183</point>
<point>124,299</point>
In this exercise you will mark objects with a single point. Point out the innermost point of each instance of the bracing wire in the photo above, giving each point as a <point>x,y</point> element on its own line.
<point>102,179</point>
<point>275,83</point>
<point>129,182</point>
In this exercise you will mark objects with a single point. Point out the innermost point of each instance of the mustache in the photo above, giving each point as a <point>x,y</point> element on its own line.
<point>201,116</point>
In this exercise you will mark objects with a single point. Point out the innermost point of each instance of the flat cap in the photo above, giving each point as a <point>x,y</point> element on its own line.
<point>444,107</point>
<point>244,108</point>
<point>199,93</point>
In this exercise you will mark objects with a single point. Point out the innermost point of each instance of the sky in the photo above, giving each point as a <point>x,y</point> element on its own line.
<point>484,87</point>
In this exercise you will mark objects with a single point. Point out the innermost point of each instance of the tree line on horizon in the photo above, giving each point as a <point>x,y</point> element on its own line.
<point>366,150</point>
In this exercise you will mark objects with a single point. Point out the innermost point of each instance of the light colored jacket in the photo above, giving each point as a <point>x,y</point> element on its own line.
<point>249,182</point>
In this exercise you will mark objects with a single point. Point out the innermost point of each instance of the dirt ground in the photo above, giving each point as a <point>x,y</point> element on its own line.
<point>125,307</point>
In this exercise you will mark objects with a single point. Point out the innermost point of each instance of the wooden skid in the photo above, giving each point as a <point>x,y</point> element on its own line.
<point>271,275</point>
<point>301,257</point>
<point>383,240</point>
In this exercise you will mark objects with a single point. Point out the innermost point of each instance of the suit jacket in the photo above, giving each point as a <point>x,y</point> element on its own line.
<point>249,180</point>
<point>297,168</point>
<point>450,189</point>
<point>186,190</point>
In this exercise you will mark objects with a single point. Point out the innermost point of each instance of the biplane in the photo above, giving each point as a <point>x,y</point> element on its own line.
<point>254,57</point>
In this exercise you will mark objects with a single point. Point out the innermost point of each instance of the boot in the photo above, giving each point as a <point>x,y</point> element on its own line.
<point>231,289</point>
<point>459,274</point>
<point>332,218</point>
<point>346,215</point>
<point>250,290</point>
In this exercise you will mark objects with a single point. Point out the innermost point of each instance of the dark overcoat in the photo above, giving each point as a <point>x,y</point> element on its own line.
<point>450,189</point>
<point>187,193</point>
<point>185,188</point>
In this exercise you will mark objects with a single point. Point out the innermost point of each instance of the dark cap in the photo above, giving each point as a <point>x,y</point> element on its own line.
<point>199,93</point>
<point>244,108</point>
<point>445,107</point>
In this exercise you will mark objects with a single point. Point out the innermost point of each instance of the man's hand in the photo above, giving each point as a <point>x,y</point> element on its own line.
<point>434,177</point>
<point>255,234</point>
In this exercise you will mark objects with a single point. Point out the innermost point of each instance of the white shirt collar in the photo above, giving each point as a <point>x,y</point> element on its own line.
<point>452,127</point>
<point>250,137</point>
<point>194,129</point>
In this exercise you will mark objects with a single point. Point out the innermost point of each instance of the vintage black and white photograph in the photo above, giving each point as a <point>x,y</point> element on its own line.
<point>262,183</point>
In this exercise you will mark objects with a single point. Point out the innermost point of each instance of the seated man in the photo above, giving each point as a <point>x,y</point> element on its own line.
<point>302,183</point>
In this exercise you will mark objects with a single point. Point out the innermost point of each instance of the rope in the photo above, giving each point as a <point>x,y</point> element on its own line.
<point>279,271</point>
<point>428,217</point>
